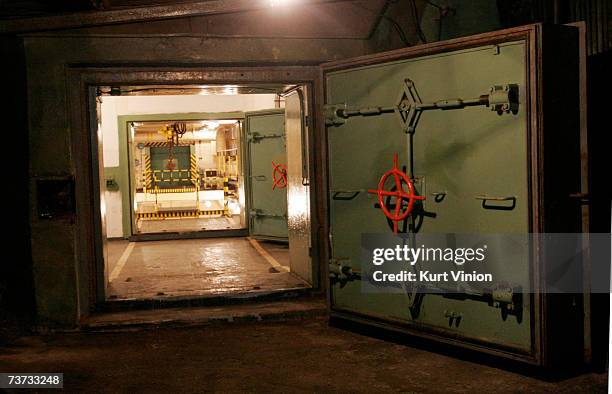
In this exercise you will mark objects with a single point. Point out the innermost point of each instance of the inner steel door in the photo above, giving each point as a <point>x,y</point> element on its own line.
<point>267,172</point>
<point>298,184</point>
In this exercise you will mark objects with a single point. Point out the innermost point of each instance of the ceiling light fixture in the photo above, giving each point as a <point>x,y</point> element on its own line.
<point>279,3</point>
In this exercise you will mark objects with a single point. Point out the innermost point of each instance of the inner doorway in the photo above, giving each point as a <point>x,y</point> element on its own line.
<point>186,174</point>
<point>195,186</point>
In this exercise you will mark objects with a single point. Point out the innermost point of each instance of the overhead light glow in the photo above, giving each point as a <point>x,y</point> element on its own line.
<point>279,3</point>
<point>210,124</point>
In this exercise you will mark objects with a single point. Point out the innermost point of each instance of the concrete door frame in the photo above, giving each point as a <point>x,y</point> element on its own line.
<point>81,85</point>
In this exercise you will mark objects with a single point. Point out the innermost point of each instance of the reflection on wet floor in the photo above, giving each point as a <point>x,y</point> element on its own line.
<point>186,268</point>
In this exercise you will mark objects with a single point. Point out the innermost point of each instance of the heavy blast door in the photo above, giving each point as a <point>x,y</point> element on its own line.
<point>465,121</point>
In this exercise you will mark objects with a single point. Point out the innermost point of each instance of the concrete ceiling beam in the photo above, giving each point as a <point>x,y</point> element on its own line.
<point>139,14</point>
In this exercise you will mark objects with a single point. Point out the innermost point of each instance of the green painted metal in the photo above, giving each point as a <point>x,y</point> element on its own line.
<point>463,153</point>
<point>265,136</point>
<point>298,186</point>
<point>126,173</point>
<point>182,156</point>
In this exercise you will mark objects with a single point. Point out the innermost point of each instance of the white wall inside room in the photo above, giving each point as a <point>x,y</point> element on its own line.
<point>114,106</point>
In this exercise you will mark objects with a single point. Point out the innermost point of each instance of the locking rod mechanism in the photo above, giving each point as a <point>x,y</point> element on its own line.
<point>501,99</point>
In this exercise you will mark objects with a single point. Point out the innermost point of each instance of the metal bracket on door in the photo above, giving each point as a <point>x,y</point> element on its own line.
<point>346,195</point>
<point>439,196</point>
<point>260,213</point>
<point>485,199</point>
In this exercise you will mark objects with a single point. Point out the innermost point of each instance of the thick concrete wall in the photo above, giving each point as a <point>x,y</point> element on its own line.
<point>54,254</point>
<point>16,287</point>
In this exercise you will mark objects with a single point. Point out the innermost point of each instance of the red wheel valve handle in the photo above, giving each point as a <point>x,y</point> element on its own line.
<point>397,215</point>
<point>279,176</point>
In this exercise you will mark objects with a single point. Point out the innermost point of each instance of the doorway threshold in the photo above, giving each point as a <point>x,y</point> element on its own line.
<point>189,301</point>
<point>162,236</point>
<point>302,308</point>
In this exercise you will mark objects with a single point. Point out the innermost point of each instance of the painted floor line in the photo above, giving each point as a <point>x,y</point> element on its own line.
<point>273,262</point>
<point>121,263</point>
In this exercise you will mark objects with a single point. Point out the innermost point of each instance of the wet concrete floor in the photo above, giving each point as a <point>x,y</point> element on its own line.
<point>196,267</point>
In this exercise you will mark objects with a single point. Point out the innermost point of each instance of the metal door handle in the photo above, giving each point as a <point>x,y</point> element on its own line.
<point>345,195</point>
<point>485,198</point>
<point>438,196</point>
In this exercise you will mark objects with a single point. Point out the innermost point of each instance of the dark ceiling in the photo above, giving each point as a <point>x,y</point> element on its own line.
<point>16,8</point>
<point>25,8</point>
<point>22,8</point>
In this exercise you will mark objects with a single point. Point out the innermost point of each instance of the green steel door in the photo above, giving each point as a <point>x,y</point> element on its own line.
<point>267,161</point>
<point>298,185</point>
<point>461,153</point>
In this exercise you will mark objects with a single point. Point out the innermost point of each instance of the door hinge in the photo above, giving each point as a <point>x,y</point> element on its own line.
<point>340,270</point>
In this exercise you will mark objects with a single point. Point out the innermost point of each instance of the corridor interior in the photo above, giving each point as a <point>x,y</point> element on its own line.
<point>195,186</point>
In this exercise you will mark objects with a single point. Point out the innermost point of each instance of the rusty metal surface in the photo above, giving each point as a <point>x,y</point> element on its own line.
<point>174,90</point>
<point>489,38</point>
<point>337,20</point>
<point>139,14</point>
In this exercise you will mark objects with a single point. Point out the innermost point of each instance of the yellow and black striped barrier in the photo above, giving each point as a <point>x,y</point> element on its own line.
<point>195,174</point>
<point>167,215</point>
<point>164,144</point>
<point>168,171</point>
<point>147,173</point>
<point>172,179</point>
<point>180,214</point>
<point>213,212</point>
<point>189,189</point>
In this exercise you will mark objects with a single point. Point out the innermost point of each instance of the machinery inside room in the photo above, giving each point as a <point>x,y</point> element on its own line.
<point>187,169</point>
<point>215,163</point>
